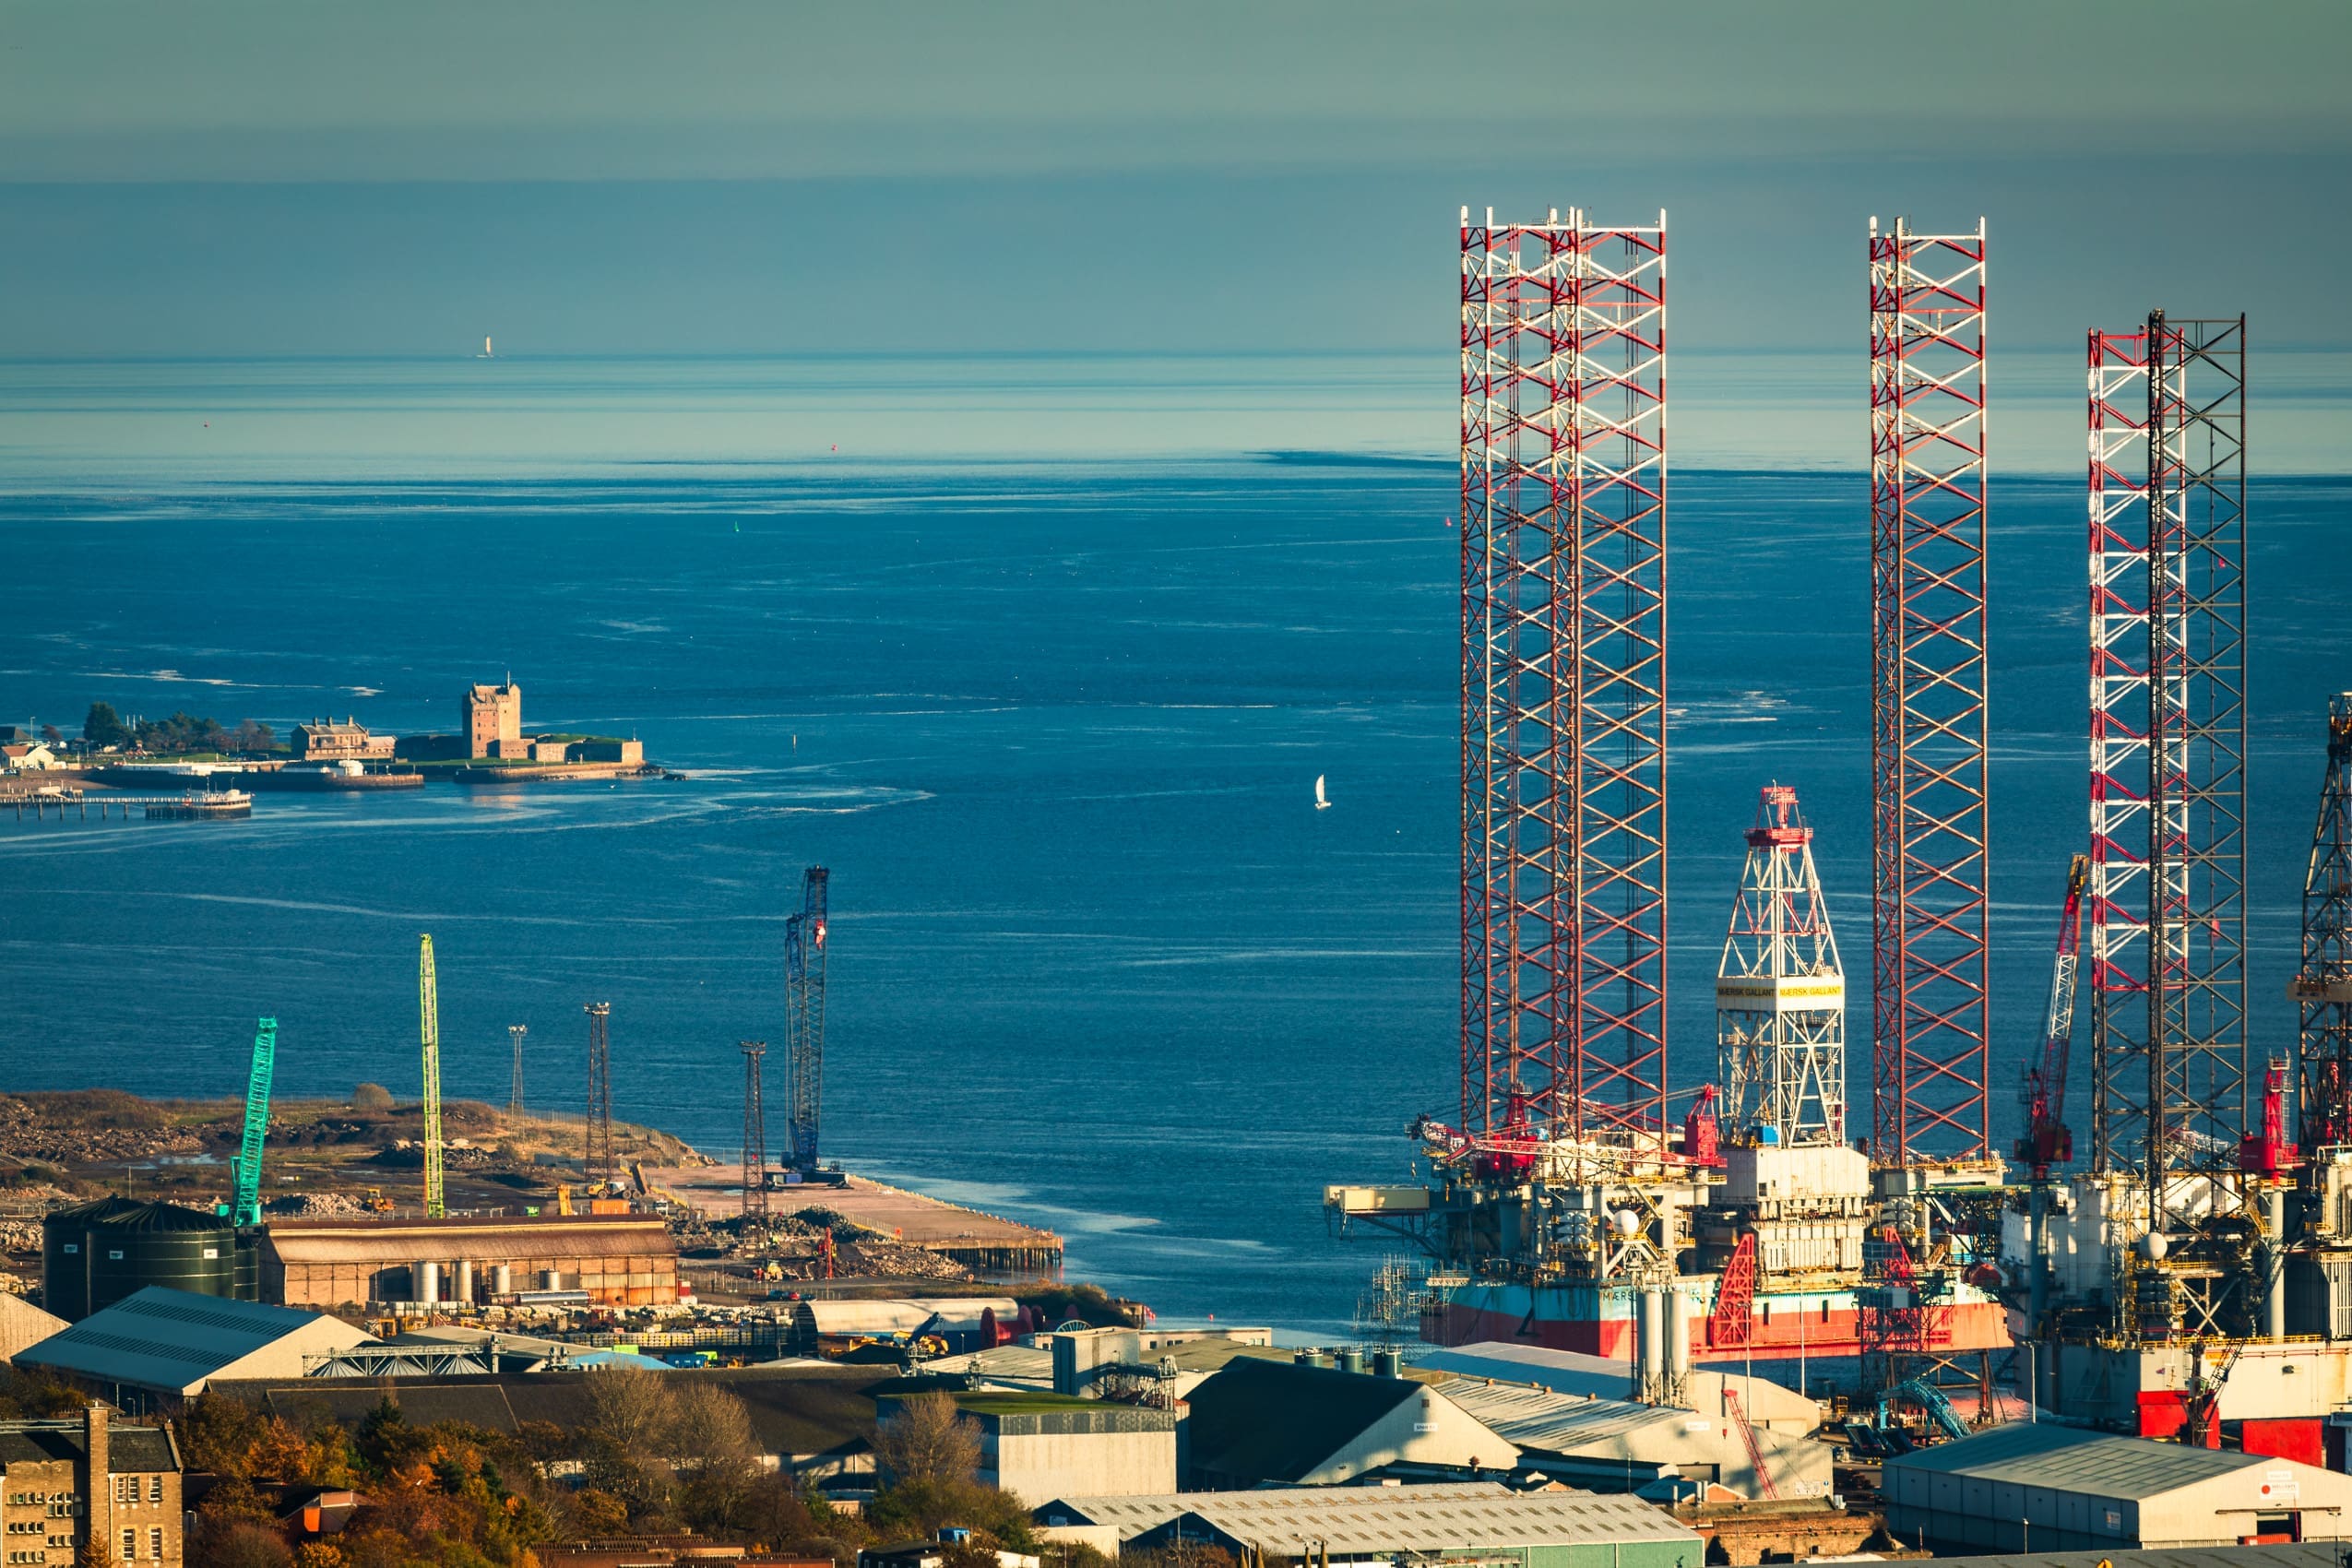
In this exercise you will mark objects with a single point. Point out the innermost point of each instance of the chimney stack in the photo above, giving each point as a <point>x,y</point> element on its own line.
<point>101,1488</point>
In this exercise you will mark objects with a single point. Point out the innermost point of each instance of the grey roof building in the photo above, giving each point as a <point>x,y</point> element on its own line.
<point>1609,1444</point>
<point>1552,1529</point>
<point>158,1348</point>
<point>1261,1422</point>
<point>2062,1489</point>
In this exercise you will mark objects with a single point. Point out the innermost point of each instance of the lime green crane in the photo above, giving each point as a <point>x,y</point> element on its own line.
<point>429,1026</point>
<point>246,1210</point>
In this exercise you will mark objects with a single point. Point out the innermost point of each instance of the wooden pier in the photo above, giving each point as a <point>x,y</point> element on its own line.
<point>218,805</point>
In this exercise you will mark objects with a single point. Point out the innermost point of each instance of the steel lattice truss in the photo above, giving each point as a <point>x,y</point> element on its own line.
<point>1929,804</point>
<point>2167,748</point>
<point>804,1020</point>
<point>429,1033</point>
<point>1563,679</point>
<point>754,1131</point>
<point>1779,993</point>
<point>2323,985</point>
<point>598,1158</point>
<point>2118,624</point>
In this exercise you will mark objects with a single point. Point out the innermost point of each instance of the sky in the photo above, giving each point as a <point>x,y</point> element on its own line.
<point>594,178</point>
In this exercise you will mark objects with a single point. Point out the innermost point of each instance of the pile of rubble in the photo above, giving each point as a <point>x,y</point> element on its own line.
<point>26,1135</point>
<point>316,1206</point>
<point>19,1236</point>
<point>794,1243</point>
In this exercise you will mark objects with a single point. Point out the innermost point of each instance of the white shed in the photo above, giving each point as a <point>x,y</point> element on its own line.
<point>2041,1488</point>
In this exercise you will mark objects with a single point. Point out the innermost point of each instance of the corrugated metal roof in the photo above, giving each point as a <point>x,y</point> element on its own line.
<point>2071,1459</point>
<point>1350,1519</point>
<point>168,1339</point>
<point>2300,1554</point>
<point>1537,1418</point>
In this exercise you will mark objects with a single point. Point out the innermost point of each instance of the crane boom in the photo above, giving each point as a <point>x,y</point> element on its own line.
<point>2048,1141</point>
<point>246,1210</point>
<point>804,1020</point>
<point>429,1029</point>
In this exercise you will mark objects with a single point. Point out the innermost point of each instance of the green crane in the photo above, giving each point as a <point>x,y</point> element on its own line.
<point>247,1207</point>
<point>429,1026</point>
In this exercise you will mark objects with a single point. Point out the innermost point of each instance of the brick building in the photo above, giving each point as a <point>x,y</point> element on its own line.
<point>619,1259</point>
<point>494,718</point>
<point>60,1480</point>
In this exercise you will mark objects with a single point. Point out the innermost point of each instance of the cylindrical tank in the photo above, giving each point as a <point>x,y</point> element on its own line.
<point>1677,1335</point>
<point>65,1256</point>
<point>1351,1360</point>
<point>156,1243</point>
<point>464,1296</point>
<point>1653,1341</point>
<point>428,1284</point>
<point>551,1279</point>
<point>501,1279</point>
<point>1384,1363</point>
<point>249,1263</point>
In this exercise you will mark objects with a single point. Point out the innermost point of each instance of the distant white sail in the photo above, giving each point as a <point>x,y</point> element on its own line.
<point>485,347</point>
<point>1323,802</point>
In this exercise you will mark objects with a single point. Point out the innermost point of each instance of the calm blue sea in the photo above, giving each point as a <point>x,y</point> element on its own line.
<point>1053,722</point>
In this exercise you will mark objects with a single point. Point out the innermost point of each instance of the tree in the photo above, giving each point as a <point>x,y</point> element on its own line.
<point>251,735</point>
<point>244,1544</point>
<point>49,735</point>
<point>103,726</point>
<point>927,1439</point>
<point>371,1097</point>
<point>711,1432</point>
<point>596,1514</point>
<point>922,1507</point>
<point>95,1551</point>
<point>217,1434</point>
<point>634,1408</point>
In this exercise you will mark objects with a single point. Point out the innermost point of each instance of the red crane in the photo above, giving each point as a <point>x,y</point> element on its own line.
<point>2047,1141</point>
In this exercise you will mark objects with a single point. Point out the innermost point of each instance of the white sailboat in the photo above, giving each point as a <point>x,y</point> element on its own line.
<point>1323,802</point>
<point>485,353</point>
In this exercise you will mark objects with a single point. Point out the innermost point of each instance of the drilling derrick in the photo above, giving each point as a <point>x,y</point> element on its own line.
<point>428,1027</point>
<point>1563,686</point>
<point>804,1021</point>
<point>2170,1115</point>
<point>2323,984</point>
<point>1779,993</point>
<point>1930,802</point>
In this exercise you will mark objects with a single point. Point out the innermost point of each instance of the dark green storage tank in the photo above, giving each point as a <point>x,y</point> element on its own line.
<point>65,1254</point>
<point>156,1243</point>
<point>249,1263</point>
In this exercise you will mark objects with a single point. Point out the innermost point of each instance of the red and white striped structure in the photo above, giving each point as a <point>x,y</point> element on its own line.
<point>1929,796</point>
<point>2118,623</point>
<point>2168,749</point>
<point>1779,993</point>
<point>1563,680</point>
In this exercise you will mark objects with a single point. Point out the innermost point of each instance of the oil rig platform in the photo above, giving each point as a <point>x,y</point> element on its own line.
<point>1571,1199</point>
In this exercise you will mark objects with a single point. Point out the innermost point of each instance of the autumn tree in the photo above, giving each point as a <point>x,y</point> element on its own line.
<point>927,1438</point>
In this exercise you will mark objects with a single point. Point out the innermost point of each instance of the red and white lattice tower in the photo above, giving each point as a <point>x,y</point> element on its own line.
<point>1779,993</point>
<point>1930,802</point>
<point>2168,748</point>
<point>1564,680</point>
<point>2323,983</point>
<point>2119,621</point>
